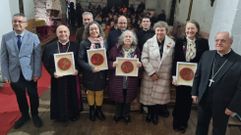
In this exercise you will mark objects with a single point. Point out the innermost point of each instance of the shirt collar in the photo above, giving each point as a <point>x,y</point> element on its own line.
<point>222,55</point>
<point>16,34</point>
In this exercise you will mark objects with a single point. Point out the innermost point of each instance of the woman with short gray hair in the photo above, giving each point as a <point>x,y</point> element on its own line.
<point>157,61</point>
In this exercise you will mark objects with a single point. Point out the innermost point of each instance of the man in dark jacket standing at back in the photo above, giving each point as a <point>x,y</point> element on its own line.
<point>115,33</point>
<point>144,32</point>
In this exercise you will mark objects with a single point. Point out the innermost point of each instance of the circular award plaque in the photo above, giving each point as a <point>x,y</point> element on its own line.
<point>64,64</point>
<point>97,59</point>
<point>127,67</point>
<point>186,74</point>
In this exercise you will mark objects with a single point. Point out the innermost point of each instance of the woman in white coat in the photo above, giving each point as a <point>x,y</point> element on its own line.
<point>157,61</point>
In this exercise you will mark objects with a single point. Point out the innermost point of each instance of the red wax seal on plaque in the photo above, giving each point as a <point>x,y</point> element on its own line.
<point>186,74</point>
<point>97,59</point>
<point>127,67</point>
<point>64,64</point>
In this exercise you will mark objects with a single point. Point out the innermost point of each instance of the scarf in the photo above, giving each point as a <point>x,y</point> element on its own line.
<point>95,41</point>
<point>191,50</point>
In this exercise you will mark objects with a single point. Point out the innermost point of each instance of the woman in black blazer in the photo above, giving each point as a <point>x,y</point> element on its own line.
<point>187,49</point>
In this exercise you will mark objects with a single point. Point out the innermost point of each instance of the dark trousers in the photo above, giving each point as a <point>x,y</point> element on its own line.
<point>182,108</point>
<point>206,111</point>
<point>20,87</point>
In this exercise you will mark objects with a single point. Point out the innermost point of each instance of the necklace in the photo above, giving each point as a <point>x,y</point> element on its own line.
<point>213,75</point>
<point>67,47</point>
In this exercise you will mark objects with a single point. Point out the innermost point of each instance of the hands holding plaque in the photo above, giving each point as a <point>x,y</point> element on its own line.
<point>97,59</point>
<point>185,73</point>
<point>64,64</point>
<point>127,66</point>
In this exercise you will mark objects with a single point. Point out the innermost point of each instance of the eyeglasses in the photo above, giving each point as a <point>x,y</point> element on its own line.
<point>18,21</point>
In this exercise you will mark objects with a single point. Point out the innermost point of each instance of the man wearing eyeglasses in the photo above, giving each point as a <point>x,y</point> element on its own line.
<point>21,68</point>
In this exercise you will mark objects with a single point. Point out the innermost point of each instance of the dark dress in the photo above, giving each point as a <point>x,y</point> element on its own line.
<point>91,81</point>
<point>65,91</point>
<point>182,108</point>
<point>116,82</point>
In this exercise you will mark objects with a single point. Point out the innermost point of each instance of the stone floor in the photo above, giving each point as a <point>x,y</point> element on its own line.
<point>108,127</point>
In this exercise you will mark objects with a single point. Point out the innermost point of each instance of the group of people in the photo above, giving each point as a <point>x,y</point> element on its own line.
<point>216,87</point>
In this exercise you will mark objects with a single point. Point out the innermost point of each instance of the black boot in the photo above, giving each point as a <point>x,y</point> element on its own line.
<point>149,114</point>
<point>92,113</point>
<point>163,111</point>
<point>99,113</point>
<point>118,113</point>
<point>155,118</point>
<point>126,112</point>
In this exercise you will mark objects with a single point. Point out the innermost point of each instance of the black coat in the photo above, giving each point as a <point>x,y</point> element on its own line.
<point>65,91</point>
<point>180,51</point>
<point>113,38</point>
<point>227,85</point>
<point>91,80</point>
<point>143,36</point>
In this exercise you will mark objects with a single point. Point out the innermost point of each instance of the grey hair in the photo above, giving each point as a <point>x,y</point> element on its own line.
<point>87,13</point>
<point>86,33</point>
<point>121,38</point>
<point>229,34</point>
<point>161,24</point>
<point>20,14</point>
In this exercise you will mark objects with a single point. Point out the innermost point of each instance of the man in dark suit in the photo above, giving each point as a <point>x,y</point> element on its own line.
<point>115,33</point>
<point>217,86</point>
<point>21,67</point>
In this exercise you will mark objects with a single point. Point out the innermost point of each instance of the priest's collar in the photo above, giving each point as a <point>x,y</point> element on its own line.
<point>223,55</point>
<point>63,43</point>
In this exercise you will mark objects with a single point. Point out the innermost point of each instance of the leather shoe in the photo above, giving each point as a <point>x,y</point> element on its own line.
<point>117,118</point>
<point>20,122</point>
<point>180,129</point>
<point>100,115</point>
<point>37,121</point>
<point>127,119</point>
<point>148,117</point>
<point>75,118</point>
<point>155,119</point>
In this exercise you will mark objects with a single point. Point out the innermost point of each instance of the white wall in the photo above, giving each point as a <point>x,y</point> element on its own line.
<point>28,8</point>
<point>14,8</point>
<point>227,17</point>
<point>202,12</point>
<point>6,23</point>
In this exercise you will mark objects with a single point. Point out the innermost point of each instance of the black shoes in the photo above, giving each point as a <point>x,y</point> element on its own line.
<point>163,112</point>
<point>148,117</point>
<point>178,127</point>
<point>181,129</point>
<point>117,118</point>
<point>127,119</point>
<point>92,113</point>
<point>21,121</point>
<point>99,114</point>
<point>75,118</point>
<point>37,121</point>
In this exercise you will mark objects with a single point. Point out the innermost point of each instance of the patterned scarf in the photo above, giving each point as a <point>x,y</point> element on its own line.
<point>95,41</point>
<point>191,49</point>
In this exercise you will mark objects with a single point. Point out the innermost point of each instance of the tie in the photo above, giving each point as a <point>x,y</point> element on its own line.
<point>19,42</point>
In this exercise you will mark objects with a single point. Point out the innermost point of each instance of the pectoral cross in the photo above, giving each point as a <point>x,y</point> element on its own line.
<point>211,81</point>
